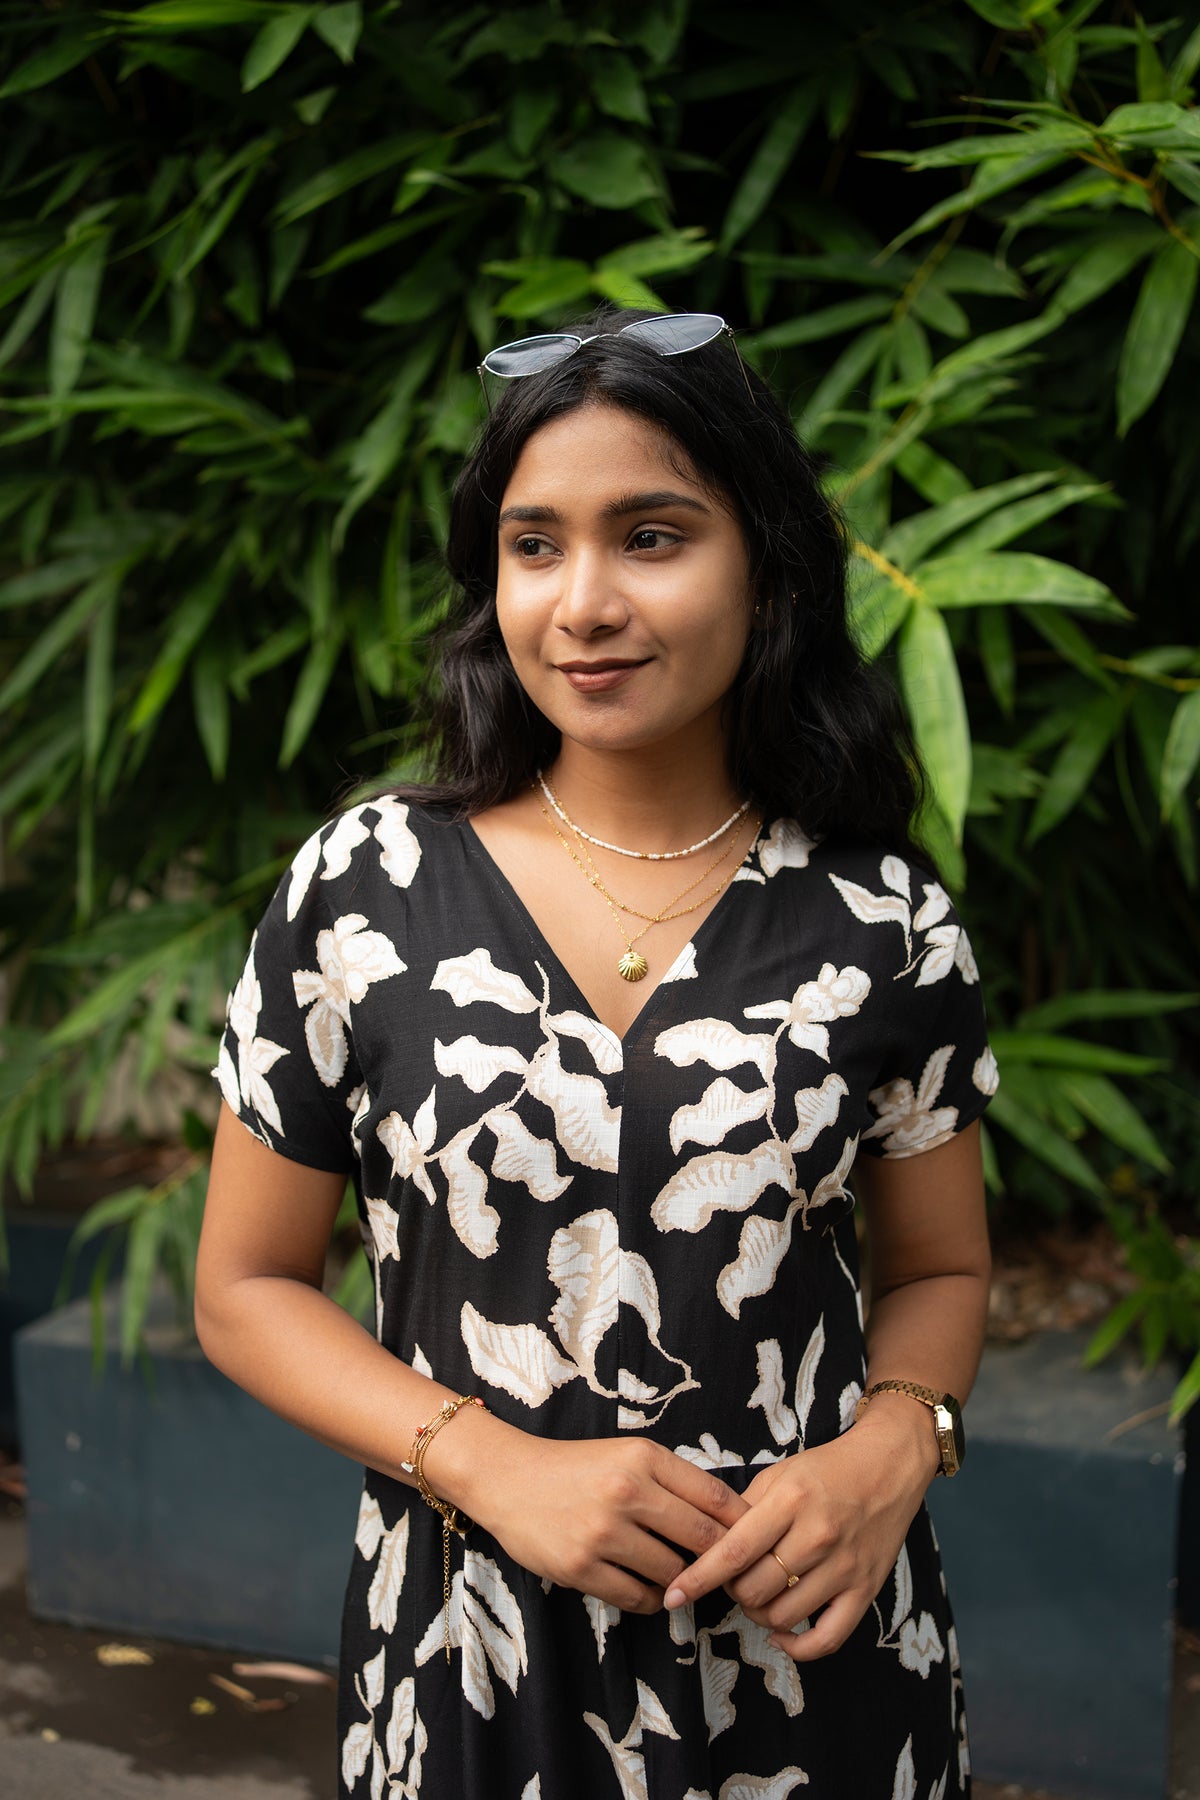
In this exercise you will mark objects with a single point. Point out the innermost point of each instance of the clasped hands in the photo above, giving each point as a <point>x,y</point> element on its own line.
<point>611,1517</point>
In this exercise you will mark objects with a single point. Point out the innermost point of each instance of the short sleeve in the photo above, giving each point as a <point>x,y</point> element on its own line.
<point>287,1065</point>
<point>938,1072</point>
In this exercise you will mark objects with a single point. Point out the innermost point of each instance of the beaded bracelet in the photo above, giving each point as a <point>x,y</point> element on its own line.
<point>452,1519</point>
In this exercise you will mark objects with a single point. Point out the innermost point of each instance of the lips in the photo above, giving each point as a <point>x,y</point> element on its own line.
<point>599,677</point>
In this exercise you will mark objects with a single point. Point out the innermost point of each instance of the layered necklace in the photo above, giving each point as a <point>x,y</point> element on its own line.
<point>632,965</point>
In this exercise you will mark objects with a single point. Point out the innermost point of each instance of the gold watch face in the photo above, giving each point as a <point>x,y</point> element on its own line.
<point>951,1437</point>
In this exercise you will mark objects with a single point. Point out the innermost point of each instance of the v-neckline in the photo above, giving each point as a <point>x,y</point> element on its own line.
<point>475,844</point>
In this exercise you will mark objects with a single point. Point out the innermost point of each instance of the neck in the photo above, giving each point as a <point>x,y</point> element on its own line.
<point>644,799</point>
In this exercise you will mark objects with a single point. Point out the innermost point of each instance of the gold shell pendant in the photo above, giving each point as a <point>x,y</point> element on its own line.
<point>632,966</point>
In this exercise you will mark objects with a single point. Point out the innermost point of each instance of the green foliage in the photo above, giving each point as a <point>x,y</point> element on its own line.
<point>251,254</point>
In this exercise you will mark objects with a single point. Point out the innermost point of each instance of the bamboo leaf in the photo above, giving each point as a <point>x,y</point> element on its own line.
<point>191,620</point>
<point>1181,754</point>
<point>1155,328</point>
<point>210,702</point>
<point>98,678</point>
<point>1014,575</point>
<point>1051,1051</point>
<point>824,322</point>
<point>1104,1003</point>
<point>328,184</point>
<point>1043,1141</point>
<point>46,650</point>
<point>1104,1105</point>
<point>606,170</point>
<point>314,679</point>
<point>910,541</point>
<point>53,60</point>
<point>1187,1393</point>
<point>1076,763</point>
<point>998,655</point>
<point>1123,1317</point>
<point>340,27</point>
<point>771,160</point>
<point>932,688</point>
<point>75,305</point>
<point>273,45</point>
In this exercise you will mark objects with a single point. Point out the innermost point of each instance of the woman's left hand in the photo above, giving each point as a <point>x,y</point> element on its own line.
<point>836,1515</point>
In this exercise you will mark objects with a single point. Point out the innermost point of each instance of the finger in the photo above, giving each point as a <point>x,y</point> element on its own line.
<point>692,1529</point>
<point>743,1545</point>
<point>806,1642</point>
<point>621,1587</point>
<point>701,1489</point>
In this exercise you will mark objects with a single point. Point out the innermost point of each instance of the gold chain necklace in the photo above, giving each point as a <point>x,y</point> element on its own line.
<point>633,966</point>
<point>641,855</point>
<point>664,912</point>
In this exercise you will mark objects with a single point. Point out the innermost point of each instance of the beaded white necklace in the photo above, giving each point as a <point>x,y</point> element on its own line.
<point>641,855</point>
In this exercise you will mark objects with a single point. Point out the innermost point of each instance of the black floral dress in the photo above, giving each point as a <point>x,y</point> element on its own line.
<point>598,1235</point>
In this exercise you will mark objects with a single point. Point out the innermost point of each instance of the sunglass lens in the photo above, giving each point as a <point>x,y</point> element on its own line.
<point>529,355</point>
<point>674,333</point>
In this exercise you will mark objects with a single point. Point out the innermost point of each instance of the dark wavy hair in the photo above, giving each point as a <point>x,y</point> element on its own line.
<point>816,734</point>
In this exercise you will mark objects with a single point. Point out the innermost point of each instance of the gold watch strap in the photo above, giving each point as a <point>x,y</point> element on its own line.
<point>899,1387</point>
<point>946,1415</point>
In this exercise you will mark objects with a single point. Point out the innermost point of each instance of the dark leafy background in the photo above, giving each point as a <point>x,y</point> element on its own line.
<point>250,254</point>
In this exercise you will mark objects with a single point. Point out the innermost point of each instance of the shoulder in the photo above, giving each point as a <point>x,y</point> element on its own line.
<point>383,839</point>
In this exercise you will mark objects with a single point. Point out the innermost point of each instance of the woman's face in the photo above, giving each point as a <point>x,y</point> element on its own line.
<point>623,591</point>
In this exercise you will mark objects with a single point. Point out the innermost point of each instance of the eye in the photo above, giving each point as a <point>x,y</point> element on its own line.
<point>530,547</point>
<point>652,537</point>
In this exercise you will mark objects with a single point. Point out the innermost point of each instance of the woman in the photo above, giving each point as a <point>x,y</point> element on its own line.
<point>603,1025</point>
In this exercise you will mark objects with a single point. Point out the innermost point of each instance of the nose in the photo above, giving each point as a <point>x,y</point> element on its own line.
<point>590,599</point>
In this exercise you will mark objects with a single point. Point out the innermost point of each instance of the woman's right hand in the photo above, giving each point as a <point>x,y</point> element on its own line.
<point>602,1515</point>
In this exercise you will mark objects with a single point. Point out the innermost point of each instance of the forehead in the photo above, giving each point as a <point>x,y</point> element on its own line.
<point>596,447</point>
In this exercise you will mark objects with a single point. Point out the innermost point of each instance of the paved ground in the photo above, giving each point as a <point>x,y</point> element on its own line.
<point>77,1718</point>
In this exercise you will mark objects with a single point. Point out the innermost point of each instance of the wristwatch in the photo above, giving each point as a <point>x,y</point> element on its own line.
<point>947,1419</point>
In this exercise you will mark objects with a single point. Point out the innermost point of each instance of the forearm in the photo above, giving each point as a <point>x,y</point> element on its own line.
<point>305,1358</point>
<point>929,1332</point>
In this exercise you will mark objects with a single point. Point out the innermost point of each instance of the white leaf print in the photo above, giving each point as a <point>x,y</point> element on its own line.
<point>681,1623</point>
<point>902,1574</point>
<point>848,1399</point>
<point>907,1121</point>
<point>304,867</point>
<point>356,1748</point>
<point>762,1246</point>
<point>708,1454</point>
<point>228,1081</point>
<point>832,1186</point>
<point>719,1110</point>
<point>628,1764</point>
<point>904,1787</point>
<point>425,1123</point>
<point>937,959</point>
<point>717,1043</point>
<point>345,837</point>
<point>638,1288</point>
<point>475,1222</point>
<point>935,907</point>
<point>485,1577</point>
<point>472,978</point>
<point>401,853</point>
<point>652,1714</point>
<point>384,1593</point>
<point>493,1634</point>
<point>763,1787</point>
<point>835,994</point>
<point>721,1182</point>
<point>631,1387</point>
<point>370,1525</point>
<point>404,1706</point>
<point>522,1157</point>
<point>532,1789</point>
<point>412,1786</point>
<point>938,1791</point>
<point>383,1224</point>
<point>350,959</point>
<point>372,1679</point>
<point>604,1048</point>
<point>785,847</point>
<point>584,1265</point>
<point>477,1064</point>
<point>603,1617</point>
<point>985,1075</point>
<point>378,1772</point>
<point>806,1378</point>
<point>769,1393</point>
<point>407,1160</point>
<point>420,1362</point>
<point>964,956</point>
<point>872,909</point>
<point>586,1127</point>
<point>521,1359</point>
<point>684,966</point>
<point>717,1677</point>
<point>817,1109</point>
<point>896,875</point>
<point>781,1675</point>
<point>325,1036</point>
<point>920,1645</point>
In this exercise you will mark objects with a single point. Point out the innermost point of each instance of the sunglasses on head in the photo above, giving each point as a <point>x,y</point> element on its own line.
<point>669,334</point>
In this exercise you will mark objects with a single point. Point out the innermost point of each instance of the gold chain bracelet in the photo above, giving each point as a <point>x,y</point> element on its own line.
<point>452,1519</point>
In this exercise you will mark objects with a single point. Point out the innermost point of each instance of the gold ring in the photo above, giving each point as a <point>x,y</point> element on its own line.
<point>791,1579</point>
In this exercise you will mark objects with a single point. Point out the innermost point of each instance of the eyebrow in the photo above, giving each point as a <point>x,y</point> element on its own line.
<point>617,508</point>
